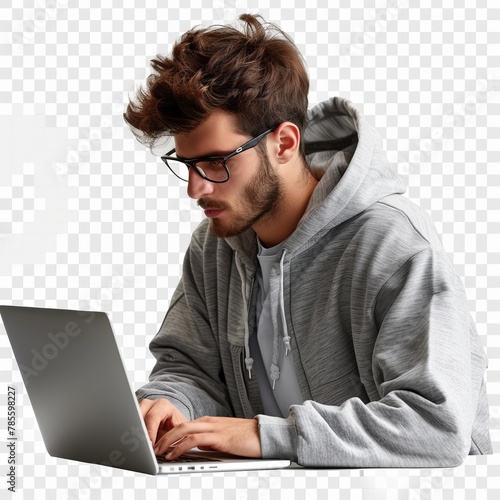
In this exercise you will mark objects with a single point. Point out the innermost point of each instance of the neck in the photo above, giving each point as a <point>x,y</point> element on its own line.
<point>296,195</point>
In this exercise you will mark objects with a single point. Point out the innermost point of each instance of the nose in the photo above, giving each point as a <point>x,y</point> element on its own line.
<point>197,186</point>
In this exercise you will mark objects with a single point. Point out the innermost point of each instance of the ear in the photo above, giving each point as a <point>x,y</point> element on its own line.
<point>286,142</point>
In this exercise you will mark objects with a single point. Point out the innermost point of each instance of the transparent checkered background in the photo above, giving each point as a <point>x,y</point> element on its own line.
<point>90,219</point>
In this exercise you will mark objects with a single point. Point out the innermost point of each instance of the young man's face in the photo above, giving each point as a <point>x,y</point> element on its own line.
<point>253,193</point>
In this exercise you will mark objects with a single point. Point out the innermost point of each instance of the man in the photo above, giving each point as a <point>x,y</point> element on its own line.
<point>318,317</point>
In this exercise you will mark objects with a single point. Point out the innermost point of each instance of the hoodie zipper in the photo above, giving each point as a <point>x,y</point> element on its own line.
<point>247,355</point>
<point>241,364</point>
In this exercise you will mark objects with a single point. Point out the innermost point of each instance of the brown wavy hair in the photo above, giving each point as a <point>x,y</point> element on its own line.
<point>256,73</point>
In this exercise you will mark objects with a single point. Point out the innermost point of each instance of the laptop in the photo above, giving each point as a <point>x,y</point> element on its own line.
<point>82,399</point>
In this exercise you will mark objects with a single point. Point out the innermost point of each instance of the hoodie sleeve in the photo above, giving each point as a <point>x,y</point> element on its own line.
<point>188,369</point>
<point>427,366</point>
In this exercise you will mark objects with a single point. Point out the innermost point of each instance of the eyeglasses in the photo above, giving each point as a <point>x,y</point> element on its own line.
<point>210,168</point>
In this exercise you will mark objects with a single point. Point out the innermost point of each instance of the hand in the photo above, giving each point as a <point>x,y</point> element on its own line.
<point>160,416</point>
<point>238,436</point>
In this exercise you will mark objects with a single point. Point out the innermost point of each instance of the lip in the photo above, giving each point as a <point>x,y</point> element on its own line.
<point>213,212</point>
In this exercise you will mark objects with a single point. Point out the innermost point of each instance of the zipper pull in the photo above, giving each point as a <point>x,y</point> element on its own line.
<point>249,365</point>
<point>275,374</point>
<point>286,341</point>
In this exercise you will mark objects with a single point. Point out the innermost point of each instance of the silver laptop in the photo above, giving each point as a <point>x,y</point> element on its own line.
<point>82,399</point>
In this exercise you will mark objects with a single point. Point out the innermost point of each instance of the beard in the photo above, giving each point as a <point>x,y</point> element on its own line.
<point>261,200</point>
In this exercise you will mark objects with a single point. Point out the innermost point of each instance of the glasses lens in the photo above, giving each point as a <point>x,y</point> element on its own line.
<point>179,168</point>
<point>213,170</point>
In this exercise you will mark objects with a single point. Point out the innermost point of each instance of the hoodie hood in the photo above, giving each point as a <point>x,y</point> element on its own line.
<point>345,154</point>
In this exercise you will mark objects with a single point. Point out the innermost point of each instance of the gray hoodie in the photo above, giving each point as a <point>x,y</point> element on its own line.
<point>386,355</point>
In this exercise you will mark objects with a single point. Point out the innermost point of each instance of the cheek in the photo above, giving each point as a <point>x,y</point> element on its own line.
<point>237,185</point>
<point>242,168</point>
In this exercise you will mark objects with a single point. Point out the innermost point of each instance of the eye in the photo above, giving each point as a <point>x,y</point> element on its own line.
<point>214,164</point>
<point>213,169</point>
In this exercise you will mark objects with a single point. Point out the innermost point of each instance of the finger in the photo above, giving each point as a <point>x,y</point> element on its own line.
<point>154,415</point>
<point>169,439</point>
<point>145,405</point>
<point>173,437</point>
<point>189,442</point>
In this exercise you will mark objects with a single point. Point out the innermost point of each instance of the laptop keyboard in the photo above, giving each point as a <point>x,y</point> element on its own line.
<point>187,458</point>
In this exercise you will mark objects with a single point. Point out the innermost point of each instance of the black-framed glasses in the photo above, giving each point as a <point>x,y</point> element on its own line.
<point>210,168</point>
